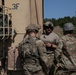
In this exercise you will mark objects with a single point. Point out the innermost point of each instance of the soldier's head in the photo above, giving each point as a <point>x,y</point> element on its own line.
<point>32,28</point>
<point>48,27</point>
<point>68,28</point>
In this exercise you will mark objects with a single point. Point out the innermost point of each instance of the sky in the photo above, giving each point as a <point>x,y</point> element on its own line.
<point>59,8</point>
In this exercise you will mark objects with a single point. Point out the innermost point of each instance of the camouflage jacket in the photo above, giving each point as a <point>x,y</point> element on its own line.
<point>66,51</point>
<point>32,49</point>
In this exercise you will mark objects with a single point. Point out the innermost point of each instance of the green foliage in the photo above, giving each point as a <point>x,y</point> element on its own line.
<point>61,21</point>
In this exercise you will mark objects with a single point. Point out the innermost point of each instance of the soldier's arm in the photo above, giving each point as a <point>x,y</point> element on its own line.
<point>58,51</point>
<point>42,50</point>
<point>55,44</point>
<point>43,56</point>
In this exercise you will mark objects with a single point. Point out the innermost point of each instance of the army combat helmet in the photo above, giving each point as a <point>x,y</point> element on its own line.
<point>32,28</point>
<point>48,24</point>
<point>68,27</point>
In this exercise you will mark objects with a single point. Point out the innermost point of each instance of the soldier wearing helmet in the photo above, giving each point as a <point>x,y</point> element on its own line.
<point>68,27</point>
<point>51,41</point>
<point>31,49</point>
<point>66,51</point>
<point>48,27</point>
<point>32,28</point>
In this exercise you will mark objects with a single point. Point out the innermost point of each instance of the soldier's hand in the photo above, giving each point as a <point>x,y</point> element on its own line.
<point>48,44</point>
<point>59,65</point>
<point>53,46</point>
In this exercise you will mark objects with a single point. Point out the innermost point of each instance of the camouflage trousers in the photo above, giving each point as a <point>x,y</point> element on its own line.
<point>62,72</point>
<point>50,58</point>
<point>34,73</point>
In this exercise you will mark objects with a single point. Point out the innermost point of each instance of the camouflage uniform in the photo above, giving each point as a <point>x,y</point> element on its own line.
<point>33,50</point>
<point>52,38</point>
<point>66,55</point>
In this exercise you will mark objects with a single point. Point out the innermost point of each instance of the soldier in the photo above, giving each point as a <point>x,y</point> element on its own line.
<point>33,52</point>
<point>51,40</point>
<point>66,52</point>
